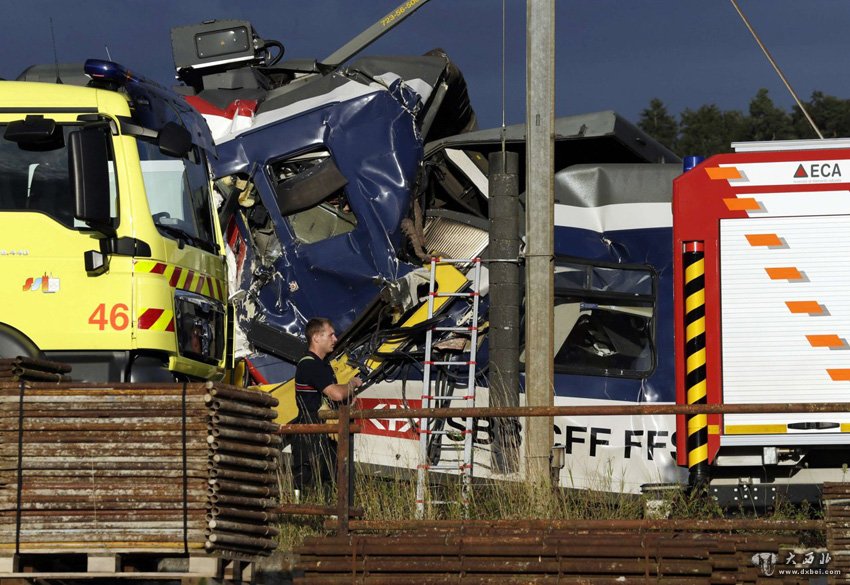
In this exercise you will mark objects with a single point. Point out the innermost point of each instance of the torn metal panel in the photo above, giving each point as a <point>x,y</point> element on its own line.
<point>374,151</point>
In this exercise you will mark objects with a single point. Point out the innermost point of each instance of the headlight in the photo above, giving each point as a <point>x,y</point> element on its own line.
<point>200,327</point>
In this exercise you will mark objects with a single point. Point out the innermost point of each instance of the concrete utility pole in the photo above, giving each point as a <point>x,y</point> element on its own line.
<point>505,303</point>
<point>540,220</point>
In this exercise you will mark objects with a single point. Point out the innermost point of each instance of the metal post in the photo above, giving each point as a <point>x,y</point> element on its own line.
<point>343,471</point>
<point>540,286</point>
<point>505,301</point>
<point>693,260</point>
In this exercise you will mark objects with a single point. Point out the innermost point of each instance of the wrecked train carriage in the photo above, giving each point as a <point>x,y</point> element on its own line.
<point>613,312</point>
<point>323,172</point>
<point>338,203</point>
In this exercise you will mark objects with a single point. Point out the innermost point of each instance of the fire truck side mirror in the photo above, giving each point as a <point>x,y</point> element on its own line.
<point>89,172</point>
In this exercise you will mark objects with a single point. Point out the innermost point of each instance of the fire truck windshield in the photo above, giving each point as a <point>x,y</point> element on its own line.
<point>179,196</point>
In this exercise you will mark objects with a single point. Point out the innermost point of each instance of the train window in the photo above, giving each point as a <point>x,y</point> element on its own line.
<point>311,195</point>
<point>604,319</point>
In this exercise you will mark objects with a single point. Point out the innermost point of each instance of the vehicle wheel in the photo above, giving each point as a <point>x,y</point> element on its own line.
<point>13,343</point>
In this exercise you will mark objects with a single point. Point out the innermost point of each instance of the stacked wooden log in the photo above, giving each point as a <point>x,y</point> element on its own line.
<point>136,468</point>
<point>34,370</point>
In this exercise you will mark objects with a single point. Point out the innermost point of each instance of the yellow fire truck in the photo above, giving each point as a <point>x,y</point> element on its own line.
<point>110,247</point>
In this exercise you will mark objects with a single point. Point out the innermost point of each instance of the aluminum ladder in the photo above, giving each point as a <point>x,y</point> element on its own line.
<point>435,429</point>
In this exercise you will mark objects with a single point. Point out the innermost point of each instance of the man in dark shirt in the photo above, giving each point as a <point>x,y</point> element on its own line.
<point>314,456</point>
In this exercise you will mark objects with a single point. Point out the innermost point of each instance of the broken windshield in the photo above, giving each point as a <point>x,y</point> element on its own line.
<point>311,194</point>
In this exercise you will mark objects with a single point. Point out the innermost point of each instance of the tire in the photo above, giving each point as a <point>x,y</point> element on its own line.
<point>13,343</point>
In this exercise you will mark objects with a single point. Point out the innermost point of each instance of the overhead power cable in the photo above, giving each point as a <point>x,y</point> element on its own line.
<point>776,68</point>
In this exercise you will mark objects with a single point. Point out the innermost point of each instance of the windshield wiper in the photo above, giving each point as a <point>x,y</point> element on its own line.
<point>183,235</point>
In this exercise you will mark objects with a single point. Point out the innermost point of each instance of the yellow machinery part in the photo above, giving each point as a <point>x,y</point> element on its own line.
<point>447,278</point>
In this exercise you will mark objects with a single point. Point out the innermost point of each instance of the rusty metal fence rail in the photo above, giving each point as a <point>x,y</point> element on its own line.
<point>344,509</point>
<point>346,424</point>
<point>519,555</point>
<point>680,551</point>
<point>632,409</point>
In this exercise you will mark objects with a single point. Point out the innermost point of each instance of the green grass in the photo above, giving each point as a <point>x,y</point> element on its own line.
<point>393,498</point>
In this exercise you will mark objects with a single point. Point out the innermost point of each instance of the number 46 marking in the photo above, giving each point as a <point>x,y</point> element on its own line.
<point>119,318</point>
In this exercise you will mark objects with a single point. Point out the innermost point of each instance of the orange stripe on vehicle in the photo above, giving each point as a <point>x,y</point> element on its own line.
<point>175,276</point>
<point>839,375</point>
<point>825,340</point>
<point>150,266</point>
<point>764,240</point>
<point>149,317</point>
<point>156,320</point>
<point>784,273</point>
<point>716,173</point>
<point>811,307</point>
<point>184,278</point>
<point>741,204</point>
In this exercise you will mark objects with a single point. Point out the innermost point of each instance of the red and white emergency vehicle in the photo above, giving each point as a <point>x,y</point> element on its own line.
<point>762,315</point>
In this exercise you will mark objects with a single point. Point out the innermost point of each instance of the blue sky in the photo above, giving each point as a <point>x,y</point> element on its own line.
<point>611,54</point>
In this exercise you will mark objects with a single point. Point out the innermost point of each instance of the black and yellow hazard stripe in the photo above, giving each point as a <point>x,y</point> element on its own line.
<point>693,260</point>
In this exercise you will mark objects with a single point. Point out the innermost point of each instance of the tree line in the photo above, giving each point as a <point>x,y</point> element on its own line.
<point>709,130</point>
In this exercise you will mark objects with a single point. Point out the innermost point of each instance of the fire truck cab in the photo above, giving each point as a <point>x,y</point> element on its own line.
<point>110,248</point>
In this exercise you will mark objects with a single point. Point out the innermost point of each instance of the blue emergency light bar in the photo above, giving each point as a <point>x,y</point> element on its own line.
<point>112,72</point>
<point>155,97</point>
<point>109,71</point>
